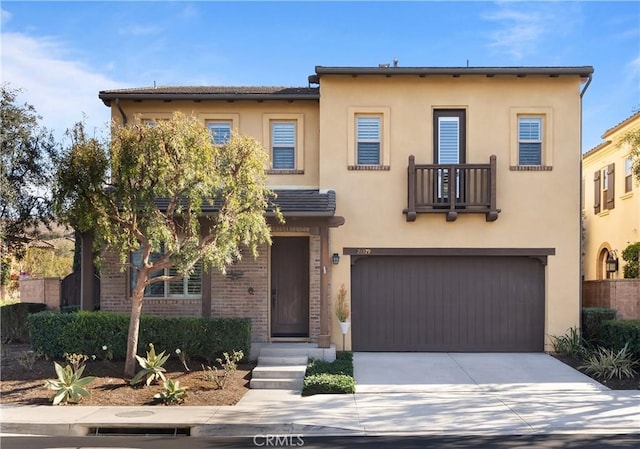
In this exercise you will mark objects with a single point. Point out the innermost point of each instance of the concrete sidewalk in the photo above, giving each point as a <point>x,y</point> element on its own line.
<point>458,394</point>
<point>282,412</point>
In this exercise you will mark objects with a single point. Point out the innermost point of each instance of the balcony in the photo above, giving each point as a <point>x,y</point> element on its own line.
<point>452,189</point>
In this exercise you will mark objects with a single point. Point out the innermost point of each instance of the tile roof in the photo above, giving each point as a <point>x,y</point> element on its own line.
<point>292,203</point>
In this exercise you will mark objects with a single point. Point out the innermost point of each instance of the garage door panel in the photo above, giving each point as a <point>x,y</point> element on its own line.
<point>447,304</point>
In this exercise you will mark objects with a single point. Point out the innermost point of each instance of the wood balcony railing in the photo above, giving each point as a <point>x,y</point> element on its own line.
<point>452,189</point>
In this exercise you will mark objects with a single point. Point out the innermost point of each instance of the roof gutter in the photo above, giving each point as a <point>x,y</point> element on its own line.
<point>586,86</point>
<point>579,199</point>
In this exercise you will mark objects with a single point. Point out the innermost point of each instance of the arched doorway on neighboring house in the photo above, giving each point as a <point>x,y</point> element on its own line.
<point>601,263</point>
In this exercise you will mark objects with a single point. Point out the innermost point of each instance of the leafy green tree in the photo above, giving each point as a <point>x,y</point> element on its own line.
<point>144,191</point>
<point>630,256</point>
<point>632,138</point>
<point>27,151</point>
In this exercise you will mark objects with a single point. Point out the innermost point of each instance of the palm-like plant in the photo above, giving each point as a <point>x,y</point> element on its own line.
<point>151,365</point>
<point>69,386</point>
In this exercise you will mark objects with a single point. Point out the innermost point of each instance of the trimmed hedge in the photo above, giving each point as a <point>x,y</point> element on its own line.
<point>13,317</point>
<point>592,319</point>
<point>335,377</point>
<point>616,333</point>
<point>53,334</point>
<point>328,384</point>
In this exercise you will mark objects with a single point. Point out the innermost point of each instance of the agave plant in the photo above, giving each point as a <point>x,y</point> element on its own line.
<point>69,387</point>
<point>171,393</point>
<point>151,365</point>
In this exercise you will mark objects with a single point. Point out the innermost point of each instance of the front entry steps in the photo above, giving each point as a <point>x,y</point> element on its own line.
<point>281,366</point>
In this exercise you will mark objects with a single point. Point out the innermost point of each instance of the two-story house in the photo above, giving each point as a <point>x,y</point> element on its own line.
<point>446,200</point>
<point>611,204</point>
<point>611,209</point>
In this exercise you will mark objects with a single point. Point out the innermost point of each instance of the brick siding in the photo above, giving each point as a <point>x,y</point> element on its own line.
<point>242,292</point>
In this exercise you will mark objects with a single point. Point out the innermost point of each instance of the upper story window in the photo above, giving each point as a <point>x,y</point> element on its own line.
<point>368,140</point>
<point>187,287</point>
<point>284,136</point>
<point>628,174</point>
<point>530,141</point>
<point>603,184</point>
<point>220,131</point>
<point>283,145</point>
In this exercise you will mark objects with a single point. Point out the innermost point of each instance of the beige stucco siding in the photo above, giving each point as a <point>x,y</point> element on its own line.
<point>539,209</point>
<point>249,118</point>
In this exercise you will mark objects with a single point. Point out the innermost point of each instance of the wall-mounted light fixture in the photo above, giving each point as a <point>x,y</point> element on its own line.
<point>335,258</point>
<point>612,262</point>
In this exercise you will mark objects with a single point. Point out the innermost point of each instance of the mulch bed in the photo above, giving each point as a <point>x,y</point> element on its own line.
<point>23,386</point>
<point>614,384</point>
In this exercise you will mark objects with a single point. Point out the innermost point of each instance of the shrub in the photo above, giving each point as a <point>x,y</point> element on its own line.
<point>335,377</point>
<point>328,384</point>
<point>229,366</point>
<point>592,319</point>
<point>338,367</point>
<point>618,333</point>
<point>607,363</point>
<point>14,321</point>
<point>83,332</point>
<point>28,359</point>
<point>630,255</point>
<point>570,344</point>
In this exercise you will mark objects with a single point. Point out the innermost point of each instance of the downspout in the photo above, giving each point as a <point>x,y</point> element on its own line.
<point>124,116</point>
<point>580,221</point>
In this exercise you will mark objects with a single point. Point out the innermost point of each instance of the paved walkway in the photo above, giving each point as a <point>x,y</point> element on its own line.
<point>485,402</point>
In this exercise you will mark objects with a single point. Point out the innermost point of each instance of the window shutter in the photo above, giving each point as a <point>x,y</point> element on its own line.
<point>596,192</point>
<point>610,186</point>
<point>283,143</point>
<point>368,138</point>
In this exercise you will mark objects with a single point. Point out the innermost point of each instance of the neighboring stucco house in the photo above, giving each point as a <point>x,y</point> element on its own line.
<point>446,200</point>
<point>611,203</point>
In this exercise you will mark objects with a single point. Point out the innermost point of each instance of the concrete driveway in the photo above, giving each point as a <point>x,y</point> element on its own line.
<point>384,372</point>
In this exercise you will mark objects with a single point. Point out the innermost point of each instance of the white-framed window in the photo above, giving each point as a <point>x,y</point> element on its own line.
<point>187,287</point>
<point>368,139</point>
<point>529,141</point>
<point>220,131</point>
<point>283,145</point>
<point>628,174</point>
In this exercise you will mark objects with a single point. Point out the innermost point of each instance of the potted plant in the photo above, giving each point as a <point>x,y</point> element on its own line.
<point>342,309</point>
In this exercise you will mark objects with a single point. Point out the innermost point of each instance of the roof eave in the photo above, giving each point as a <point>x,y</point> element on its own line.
<point>107,97</point>
<point>582,71</point>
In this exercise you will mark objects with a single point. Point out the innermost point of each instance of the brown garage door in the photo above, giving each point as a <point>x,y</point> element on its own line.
<point>447,303</point>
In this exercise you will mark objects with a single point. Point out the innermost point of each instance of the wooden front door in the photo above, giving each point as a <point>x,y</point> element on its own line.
<point>290,287</point>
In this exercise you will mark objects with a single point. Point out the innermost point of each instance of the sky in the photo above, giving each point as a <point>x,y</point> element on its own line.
<point>61,54</point>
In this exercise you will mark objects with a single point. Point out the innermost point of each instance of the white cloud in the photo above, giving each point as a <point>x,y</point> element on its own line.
<point>61,89</point>
<point>5,16</point>
<point>140,30</point>
<point>522,28</point>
